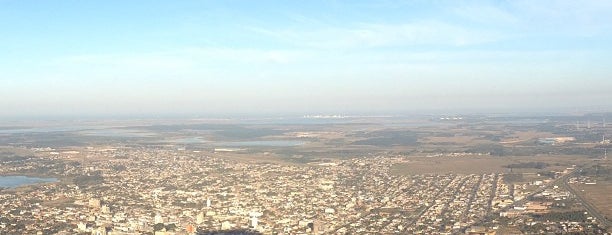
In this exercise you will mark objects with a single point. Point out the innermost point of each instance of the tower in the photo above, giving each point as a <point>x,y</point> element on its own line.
<point>254,222</point>
<point>208,202</point>
<point>255,218</point>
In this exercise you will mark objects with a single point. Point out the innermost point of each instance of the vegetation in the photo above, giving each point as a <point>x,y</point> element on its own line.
<point>511,178</point>
<point>574,216</point>
<point>158,227</point>
<point>246,133</point>
<point>389,138</point>
<point>536,165</point>
<point>86,180</point>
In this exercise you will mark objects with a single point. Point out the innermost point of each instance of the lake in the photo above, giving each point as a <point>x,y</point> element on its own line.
<point>115,132</point>
<point>189,140</point>
<point>19,180</point>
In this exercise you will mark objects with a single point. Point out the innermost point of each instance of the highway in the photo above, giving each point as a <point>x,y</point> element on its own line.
<point>539,190</point>
<point>563,182</point>
<point>589,207</point>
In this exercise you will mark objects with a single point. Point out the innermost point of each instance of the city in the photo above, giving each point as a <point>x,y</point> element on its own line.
<point>193,189</point>
<point>348,117</point>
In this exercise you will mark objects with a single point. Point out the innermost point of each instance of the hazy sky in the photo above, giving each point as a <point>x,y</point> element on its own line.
<point>304,57</point>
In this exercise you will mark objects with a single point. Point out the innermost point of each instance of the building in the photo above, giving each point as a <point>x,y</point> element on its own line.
<point>158,219</point>
<point>94,203</point>
<point>479,230</point>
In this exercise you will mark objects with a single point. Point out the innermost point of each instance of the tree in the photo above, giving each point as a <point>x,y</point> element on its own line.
<point>171,227</point>
<point>158,227</point>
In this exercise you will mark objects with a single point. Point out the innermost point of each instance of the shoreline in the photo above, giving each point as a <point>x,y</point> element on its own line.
<point>25,180</point>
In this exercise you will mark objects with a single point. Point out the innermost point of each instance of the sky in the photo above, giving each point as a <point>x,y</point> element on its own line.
<point>138,58</point>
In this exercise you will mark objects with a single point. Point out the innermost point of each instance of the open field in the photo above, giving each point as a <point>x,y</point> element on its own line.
<point>482,164</point>
<point>598,195</point>
<point>460,165</point>
<point>10,151</point>
<point>521,136</point>
<point>451,139</point>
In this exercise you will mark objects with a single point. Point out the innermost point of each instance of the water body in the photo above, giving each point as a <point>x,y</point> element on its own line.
<point>44,129</point>
<point>19,180</point>
<point>190,140</point>
<point>113,132</point>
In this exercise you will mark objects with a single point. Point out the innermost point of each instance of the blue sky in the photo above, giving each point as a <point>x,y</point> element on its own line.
<point>72,58</point>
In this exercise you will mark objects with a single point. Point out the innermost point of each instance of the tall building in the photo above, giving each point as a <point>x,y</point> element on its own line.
<point>254,222</point>
<point>255,218</point>
<point>200,218</point>
<point>159,219</point>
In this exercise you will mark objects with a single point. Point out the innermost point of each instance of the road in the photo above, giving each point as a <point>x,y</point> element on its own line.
<point>589,207</point>
<point>375,210</point>
<point>539,190</point>
<point>524,199</point>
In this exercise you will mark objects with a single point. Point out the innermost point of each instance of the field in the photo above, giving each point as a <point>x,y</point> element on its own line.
<point>522,136</point>
<point>598,195</point>
<point>481,164</point>
<point>452,140</point>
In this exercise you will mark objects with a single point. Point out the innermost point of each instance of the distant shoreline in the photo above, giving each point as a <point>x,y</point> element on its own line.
<point>17,181</point>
